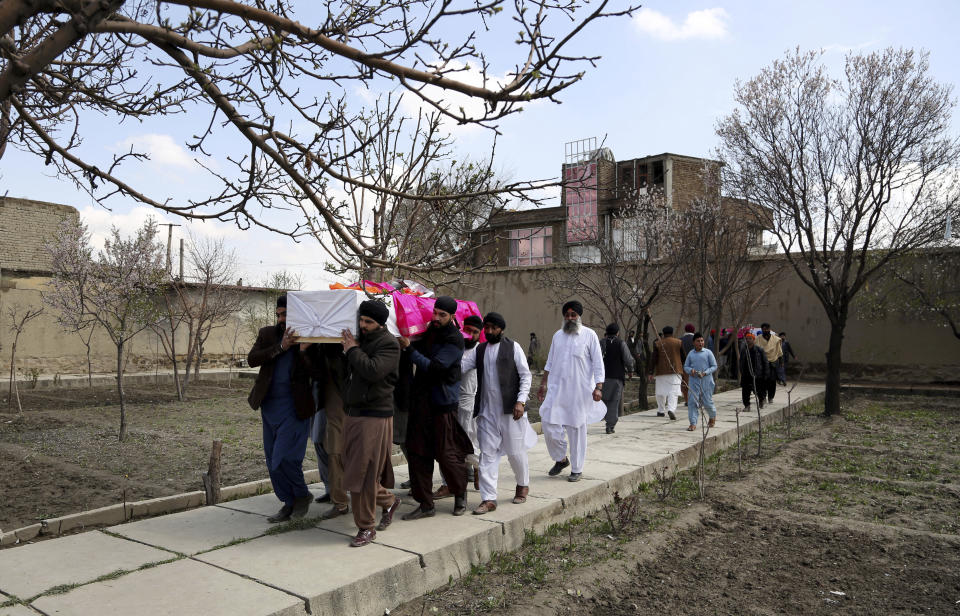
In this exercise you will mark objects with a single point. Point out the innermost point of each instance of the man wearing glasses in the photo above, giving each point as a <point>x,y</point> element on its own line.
<point>283,394</point>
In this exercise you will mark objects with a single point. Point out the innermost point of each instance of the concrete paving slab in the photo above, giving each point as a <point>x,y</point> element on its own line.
<point>197,530</point>
<point>18,610</point>
<point>364,580</point>
<point>29,570</point>
<point>174,589</point>
<point>268,504</point>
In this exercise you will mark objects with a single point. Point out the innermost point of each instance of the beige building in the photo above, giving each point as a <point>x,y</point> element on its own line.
<point>44,347</point>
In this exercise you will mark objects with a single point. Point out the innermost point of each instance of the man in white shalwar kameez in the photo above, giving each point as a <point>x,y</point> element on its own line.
<point>503,429</point>
<point>571,391</point>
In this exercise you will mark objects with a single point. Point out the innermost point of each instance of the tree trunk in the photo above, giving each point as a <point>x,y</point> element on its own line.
<point>13,355</point>
<point>123,410</point>
<point>89,368</point>
<point>832,396</point>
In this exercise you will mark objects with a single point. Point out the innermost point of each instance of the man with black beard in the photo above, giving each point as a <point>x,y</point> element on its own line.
<point>503,385</point>
<point>468,391</point>
<point>284,395</point>
<point>433,432</point>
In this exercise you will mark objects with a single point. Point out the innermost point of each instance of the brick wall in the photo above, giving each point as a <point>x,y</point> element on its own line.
<point>25,226</point>
<point>688,181</point>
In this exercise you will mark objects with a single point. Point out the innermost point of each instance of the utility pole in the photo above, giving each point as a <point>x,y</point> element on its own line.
<point>169,227</point>
<point>181,259</point>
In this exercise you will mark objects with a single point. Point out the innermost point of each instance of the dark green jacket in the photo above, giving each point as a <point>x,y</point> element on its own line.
<point>372,372</point>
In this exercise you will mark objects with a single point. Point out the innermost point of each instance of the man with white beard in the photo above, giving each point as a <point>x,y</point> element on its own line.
<point>503,384</point>
<point>575,363</point>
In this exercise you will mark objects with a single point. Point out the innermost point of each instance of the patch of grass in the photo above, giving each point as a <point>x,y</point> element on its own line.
<point>293,525</point>
<point>64,588</point>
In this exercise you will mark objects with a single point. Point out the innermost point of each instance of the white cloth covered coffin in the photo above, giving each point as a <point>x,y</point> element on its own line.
<point>324,314</point>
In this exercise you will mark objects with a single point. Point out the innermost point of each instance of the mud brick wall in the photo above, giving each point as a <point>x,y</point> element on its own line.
<point>25,226</point>
<point>688,180</point>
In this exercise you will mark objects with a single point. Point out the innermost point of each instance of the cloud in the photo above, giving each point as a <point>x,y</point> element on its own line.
<point>706,24</point>
<point>99,221</point>
<point>162,149</point>
<point>844,49</point>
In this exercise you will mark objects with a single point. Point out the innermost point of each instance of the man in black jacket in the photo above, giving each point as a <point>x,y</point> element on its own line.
<point>617,363</point>
<point>283,393</point>
<point>433,432</point>
<point>754,368</point>
<point>372,362</point>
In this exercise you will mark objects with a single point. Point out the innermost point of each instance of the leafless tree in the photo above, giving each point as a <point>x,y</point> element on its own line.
<point>250,73</point>
<point>117,289</point>
<point>635,263</point>
<point>856,172</point>
<point>203,303</point>
<point>257,314</point>
<point>18,317</point>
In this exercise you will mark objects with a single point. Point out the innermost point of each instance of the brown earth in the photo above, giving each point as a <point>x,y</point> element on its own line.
<point>62,456</point>
<point>858,514</point>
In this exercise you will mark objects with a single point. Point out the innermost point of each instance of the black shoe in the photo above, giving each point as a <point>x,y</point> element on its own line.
<point>281,516</point>
<point>323,499</point>
<point>460,504</point>
<point>672,415</point>
<point>771,400</point>
<point>659,414</point>
<point>301,506</point>
<point>610,430</point>
<point>334,512</point>
<point>574,477</point>
<point>559,466</point>
<point>405,485</point>
<point>420,512</point>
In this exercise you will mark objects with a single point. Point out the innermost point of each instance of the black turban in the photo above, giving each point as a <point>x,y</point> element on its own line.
<point>495,319</point>
<point>375,310</point>
<point>577,307</point>
<point>447,304</point>
<point>474,321</point>
<point>282,301</point>
<point>613,329</point>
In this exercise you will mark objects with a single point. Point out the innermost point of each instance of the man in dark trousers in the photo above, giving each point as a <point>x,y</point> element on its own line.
<point>372,360</point>
<point>283,392</point>
<point>754,370</point>
<point>433,432</point>
<point>617,363</point>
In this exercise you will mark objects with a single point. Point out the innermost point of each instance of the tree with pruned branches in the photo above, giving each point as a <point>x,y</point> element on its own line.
<point>857,172</point>
<point>285,100</point>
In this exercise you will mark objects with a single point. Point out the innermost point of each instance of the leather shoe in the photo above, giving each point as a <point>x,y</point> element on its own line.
<point>405,485</point>
<point>712,422</point>
<point>659,414</point>
<point>672,415</point>
<point>387,518</point>
<point>574,477</point>
<point>485,507</point>
<point>334,512</point>
<point>442,492</point>
<point>460,504</point>
<point>609,429</point>
<point>559,466</point>
<point>521,496</point>
<point>420,512</point>
<point>301,506</point>
<point>363,537</point>
<point>323,499</point>
<point>281,516</point>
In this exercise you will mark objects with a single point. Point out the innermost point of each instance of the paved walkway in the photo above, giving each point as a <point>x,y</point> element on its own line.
<point>223,559</point>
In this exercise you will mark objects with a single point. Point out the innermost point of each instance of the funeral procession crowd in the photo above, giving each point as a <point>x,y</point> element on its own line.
<point>451,401</point>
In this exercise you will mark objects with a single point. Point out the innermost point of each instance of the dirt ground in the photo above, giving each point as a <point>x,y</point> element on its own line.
<point>62,455</point>
<point>854,515</point>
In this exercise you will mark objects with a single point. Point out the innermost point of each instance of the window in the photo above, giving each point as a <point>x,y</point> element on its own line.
<point>532,246</point>
<point>657,172</point>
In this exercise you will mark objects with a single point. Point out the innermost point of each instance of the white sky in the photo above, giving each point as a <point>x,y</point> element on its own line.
<point>664,80</point>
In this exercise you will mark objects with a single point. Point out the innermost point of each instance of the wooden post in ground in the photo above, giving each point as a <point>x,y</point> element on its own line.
<point>211,478</point>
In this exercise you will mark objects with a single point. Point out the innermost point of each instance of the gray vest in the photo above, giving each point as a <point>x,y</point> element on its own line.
<point>506,371</point>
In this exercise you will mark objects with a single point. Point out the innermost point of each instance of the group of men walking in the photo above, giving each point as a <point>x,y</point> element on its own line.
<point>460,405</point>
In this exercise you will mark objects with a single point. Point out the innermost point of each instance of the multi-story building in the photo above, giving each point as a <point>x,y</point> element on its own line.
<point>598,199</point>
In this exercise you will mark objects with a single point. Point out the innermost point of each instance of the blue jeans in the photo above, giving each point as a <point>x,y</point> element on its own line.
<point>284,444</point>
<point>701,394</point>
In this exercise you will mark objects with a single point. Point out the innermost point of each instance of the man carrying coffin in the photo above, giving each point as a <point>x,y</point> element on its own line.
<point>433,432</point>
<point>284,395</point>
<point>503,384</point>
<point>372,361</point>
